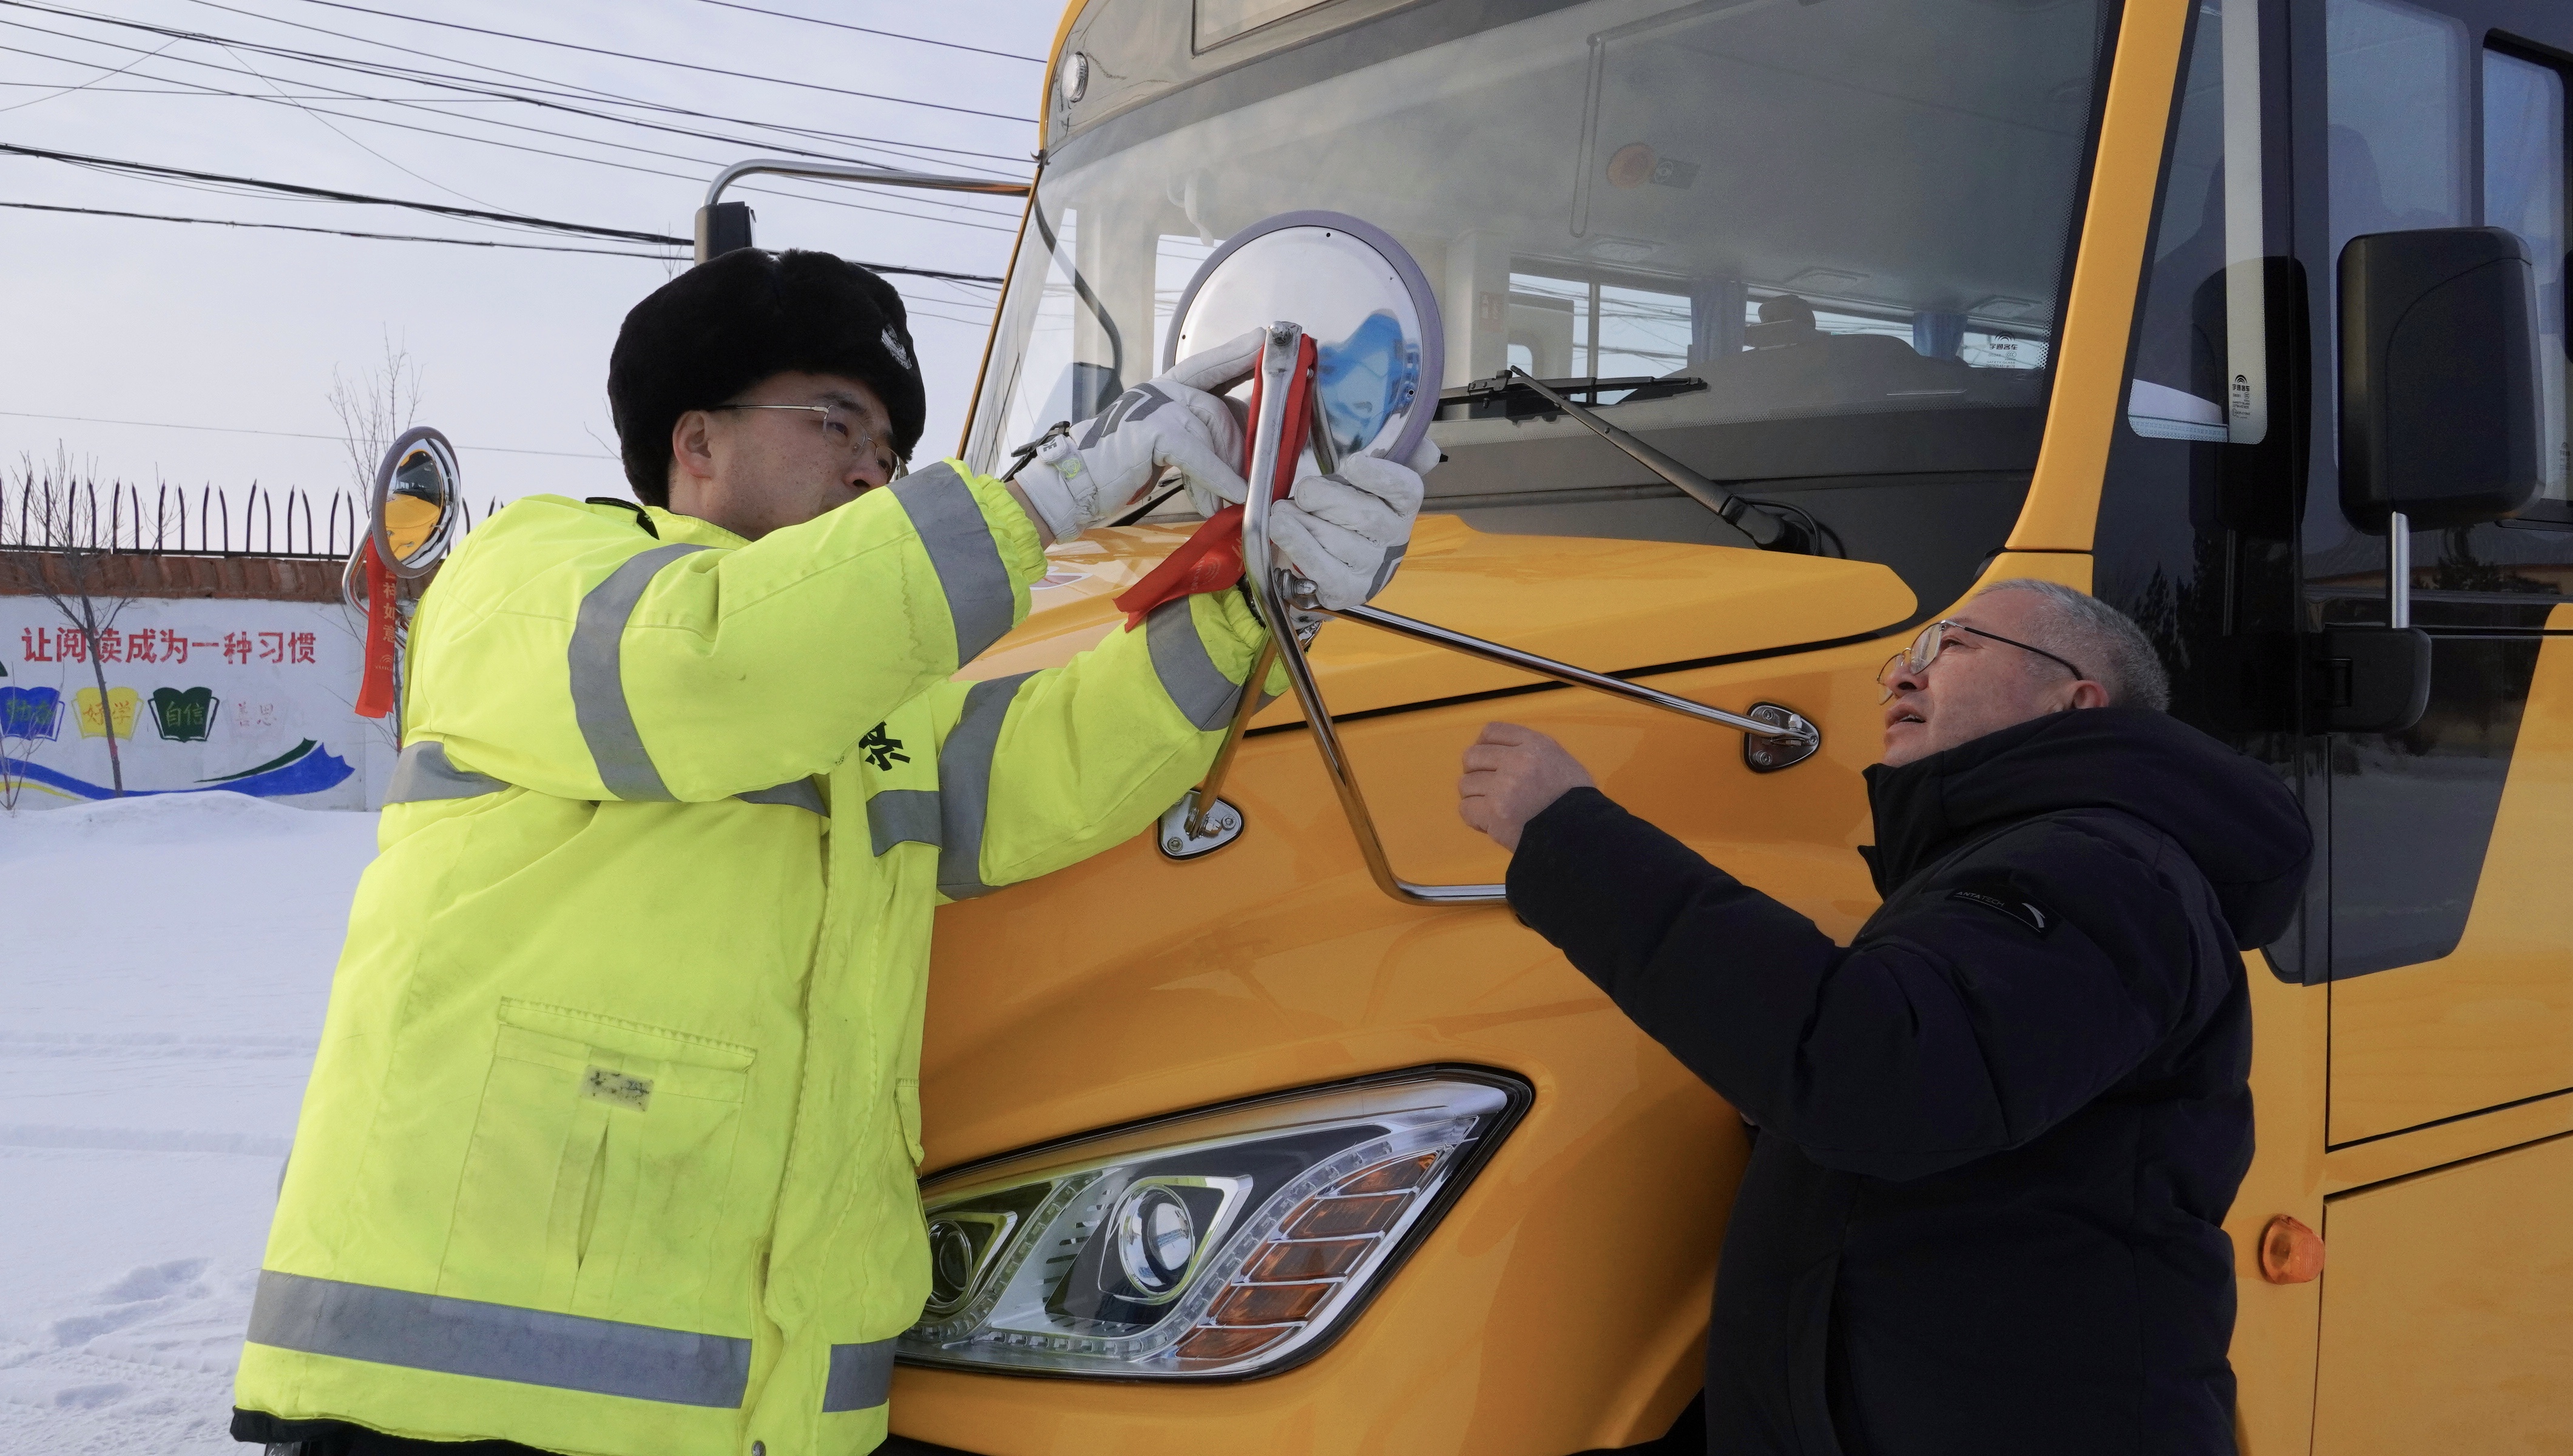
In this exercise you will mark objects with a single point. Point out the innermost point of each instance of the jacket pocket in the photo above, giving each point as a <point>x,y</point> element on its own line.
<point>598,1177</point>
<point>1808,1334</point>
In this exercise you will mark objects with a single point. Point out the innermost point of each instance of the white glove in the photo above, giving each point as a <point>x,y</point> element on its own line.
<point>1106,465</point>
<point>1208,373</point>
<point>1347,531</point>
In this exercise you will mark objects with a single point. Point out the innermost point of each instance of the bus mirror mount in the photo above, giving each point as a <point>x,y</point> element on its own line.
<point>2439,421</point>
<point>1200,823</point>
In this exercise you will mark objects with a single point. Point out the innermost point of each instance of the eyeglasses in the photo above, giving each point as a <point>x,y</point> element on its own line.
<point>1925,647</point>
<point>842,428</point>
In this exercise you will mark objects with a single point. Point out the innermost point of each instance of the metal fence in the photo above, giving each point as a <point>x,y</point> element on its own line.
<point>42,513</point>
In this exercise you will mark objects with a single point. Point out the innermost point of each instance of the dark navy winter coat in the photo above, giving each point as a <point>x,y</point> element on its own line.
<point>1999,1132</point>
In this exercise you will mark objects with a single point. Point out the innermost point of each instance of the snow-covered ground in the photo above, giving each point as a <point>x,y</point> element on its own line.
<point>163,968</point>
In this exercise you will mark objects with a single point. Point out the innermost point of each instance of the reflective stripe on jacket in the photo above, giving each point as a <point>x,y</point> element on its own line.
<point>610,1142</point>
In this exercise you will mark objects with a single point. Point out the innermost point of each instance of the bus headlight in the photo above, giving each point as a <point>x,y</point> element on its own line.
<point>1224,1243</point>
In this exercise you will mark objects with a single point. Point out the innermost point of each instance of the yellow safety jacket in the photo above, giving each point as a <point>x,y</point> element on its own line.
<point>612,1139</point>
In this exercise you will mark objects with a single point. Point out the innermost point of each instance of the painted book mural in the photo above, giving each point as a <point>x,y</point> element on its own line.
<point>203,696</point>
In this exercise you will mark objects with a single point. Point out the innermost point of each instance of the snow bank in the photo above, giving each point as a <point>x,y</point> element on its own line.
<point>163,968</point>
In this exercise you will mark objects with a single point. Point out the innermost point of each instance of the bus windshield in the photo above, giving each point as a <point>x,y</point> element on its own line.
<point>1861,208</point>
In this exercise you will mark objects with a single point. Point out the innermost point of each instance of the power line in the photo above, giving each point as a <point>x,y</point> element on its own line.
<point>621,166</point>
<point>337,231</point>
<point>193,91</point>
<point>540,131</point>
<point>661,61</point>
<point>938,275</point>
<point>85,85</point>
<point>354,142</point>
<point>549,95</point>
<point>279,433</point>
<point>870,30</point>
<point>342,93</point>
<point>291,189</point>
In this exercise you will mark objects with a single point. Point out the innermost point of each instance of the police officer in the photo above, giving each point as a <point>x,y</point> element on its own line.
<point>612,1139</point>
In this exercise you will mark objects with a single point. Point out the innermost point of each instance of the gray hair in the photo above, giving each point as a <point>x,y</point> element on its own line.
<point>2110,648</point>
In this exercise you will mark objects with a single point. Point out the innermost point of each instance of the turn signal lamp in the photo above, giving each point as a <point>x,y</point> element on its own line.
<point>1219,1245</point>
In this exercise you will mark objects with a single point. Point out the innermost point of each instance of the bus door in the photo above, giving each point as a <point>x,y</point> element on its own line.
<point>2416,1126</point>
<point>2448,954</point>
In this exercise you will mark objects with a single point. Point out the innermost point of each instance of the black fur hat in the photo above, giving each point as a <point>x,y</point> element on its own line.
<point>727,324</point>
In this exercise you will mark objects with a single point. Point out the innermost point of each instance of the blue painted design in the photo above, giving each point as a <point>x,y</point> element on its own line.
<point>29,712</point>
<point>314,770</point>
<point>1366,379</point>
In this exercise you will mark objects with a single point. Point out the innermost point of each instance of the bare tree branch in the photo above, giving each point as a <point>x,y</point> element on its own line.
<point>73,529</point>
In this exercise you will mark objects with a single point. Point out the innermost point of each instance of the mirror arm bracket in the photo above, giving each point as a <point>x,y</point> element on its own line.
<point>843,171</point>
<point>1776,737</point>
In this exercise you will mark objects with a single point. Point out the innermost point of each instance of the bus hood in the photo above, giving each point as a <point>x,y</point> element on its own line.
<point>1608,605</point>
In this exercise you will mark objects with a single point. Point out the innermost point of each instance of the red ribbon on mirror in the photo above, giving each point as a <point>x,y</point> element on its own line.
<point>376,686</point>
<point>1211,558</point>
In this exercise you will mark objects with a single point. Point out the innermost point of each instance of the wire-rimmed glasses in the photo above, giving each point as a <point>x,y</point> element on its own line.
<point>841,425</point>
<point>1933,640</point>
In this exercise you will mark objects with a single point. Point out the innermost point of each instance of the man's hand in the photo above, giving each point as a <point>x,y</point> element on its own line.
<point>1107,466</point>
<point>1511,775</point>
<point>1347,531</point>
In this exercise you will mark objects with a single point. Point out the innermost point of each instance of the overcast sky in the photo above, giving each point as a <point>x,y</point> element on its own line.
<point>178,325</point>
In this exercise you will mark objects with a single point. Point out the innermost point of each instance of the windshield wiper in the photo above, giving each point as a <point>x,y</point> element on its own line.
<point>1509,394</point>
<point>1767,527</point>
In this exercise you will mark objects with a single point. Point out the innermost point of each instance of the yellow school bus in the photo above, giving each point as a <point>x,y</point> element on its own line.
<point>1983,288</point>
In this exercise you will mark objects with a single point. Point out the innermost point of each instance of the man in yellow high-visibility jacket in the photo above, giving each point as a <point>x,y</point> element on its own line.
<point>611,1143</point>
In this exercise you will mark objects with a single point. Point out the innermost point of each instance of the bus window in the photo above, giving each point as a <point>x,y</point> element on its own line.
<point>2525,192</point>
<point>2397,87</point>
<point>1564,328</point>
<point>2418,819</point>
<point>2199,371</point>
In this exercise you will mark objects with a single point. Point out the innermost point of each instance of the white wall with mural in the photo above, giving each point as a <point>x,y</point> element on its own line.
<point>203,695</point>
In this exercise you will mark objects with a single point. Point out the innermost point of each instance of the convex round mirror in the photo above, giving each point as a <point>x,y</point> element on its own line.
<point>414,506</point>
<point>1361,298</point>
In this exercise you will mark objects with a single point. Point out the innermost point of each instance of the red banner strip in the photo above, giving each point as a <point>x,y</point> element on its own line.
<point>376,687</point>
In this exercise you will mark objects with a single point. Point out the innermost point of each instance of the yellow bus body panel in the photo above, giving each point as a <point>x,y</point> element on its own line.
<point>1561,1305</point>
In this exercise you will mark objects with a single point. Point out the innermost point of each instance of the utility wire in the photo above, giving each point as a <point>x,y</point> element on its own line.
<point>282,434</point>
<point>938,275</point>
<point>664,61</point>
<point>85,85</point>
<point>291,189</point>
<point>870,30</point>
<point>343,94</point>
<point>193,91</point>
<point>688,177</point>
<point>548,94</point>
<point>200,88</point>
<point>339,232</point>
<point>354,142</point>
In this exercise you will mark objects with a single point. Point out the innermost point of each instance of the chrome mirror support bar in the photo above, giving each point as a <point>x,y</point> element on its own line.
<point>1269,581</point>
<point>839,172</point>
<point>1799,735</point>
<point>1776,737</point>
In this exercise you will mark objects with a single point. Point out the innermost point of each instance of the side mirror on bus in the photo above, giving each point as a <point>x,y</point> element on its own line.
<point>2439,427</point>
<point>2440,419</point>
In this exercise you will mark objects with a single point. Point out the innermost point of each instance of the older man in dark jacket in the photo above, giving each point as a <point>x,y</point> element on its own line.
<point>1998,1132</point>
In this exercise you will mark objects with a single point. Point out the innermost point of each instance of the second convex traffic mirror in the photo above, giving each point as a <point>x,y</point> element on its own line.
<point>415,504</point>
<point>1358,295</point>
